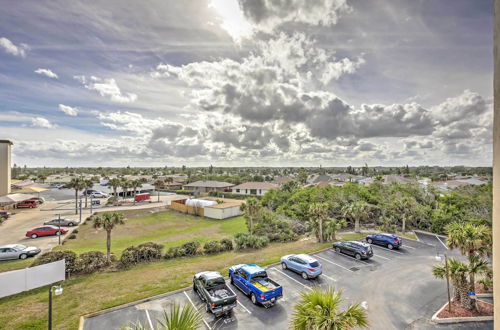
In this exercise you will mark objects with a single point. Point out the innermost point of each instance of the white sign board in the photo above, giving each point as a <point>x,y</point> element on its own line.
<point>31,278</point>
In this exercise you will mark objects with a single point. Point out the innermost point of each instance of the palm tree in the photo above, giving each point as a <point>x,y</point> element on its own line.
<point>88,184</point>
<point>457,271</point>
<point>252,208</point>
<point>114,183</point>
<point>407,209</point>
<point>318,214</point>
<point>356,211</point>
<point>125,184</point>
<point>108,221</point>
<point>332,225</point>
<point>473,241</point>
<point>135,184</point>
<point>320,310</point>
<point>78,184</point>
<point>187,318</point>
<point>158,185</point>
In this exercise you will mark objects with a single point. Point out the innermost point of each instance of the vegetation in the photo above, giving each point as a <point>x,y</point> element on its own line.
<point>77,184</point>
<point>108,221</point>
<point>321,309</point>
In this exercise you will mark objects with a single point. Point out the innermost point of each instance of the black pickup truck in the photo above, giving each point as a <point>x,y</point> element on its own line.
<point>213,291</point>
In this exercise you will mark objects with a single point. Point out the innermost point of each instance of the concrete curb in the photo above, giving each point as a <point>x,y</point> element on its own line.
<point>429,233</point>
<point>163,295</point>
<point>438,320</point>
<point>484,295</point>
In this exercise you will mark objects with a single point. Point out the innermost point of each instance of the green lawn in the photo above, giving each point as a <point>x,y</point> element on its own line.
<point>169,228</point>
<point>95,292</point>
<point>6,266</point>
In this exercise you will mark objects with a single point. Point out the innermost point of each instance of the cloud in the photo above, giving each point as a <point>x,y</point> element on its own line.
<point>465,106</point>
<point>41,122</point>
<point>266,15</point>
<point>47,72</point>
<point>12,49</point>
<point>107,88</point>
<point>70,111</point>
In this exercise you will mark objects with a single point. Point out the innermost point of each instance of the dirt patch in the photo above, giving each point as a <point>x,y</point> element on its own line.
<point>483,309</point>
<point>480,289</point>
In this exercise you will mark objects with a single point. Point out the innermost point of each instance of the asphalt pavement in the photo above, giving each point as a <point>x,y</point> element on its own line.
<point>397,287</point>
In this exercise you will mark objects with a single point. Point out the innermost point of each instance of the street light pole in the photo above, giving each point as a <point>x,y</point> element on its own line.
<point>57,290</point>
<point>59,223</point>
<point>80,210</point>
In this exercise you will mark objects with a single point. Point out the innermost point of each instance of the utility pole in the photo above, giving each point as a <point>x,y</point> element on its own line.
<point>59,223</point>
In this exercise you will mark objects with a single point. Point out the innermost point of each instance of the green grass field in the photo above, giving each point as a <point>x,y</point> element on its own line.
<point>169,228</point>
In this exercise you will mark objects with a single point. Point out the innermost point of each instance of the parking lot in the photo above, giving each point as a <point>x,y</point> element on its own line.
<point>397,286</point>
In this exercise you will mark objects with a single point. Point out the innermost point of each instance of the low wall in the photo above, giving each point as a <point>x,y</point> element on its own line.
<point>222,213</point>
<point>181,207</point>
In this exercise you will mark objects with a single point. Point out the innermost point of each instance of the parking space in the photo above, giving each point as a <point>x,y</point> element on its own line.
<point>397,286</point>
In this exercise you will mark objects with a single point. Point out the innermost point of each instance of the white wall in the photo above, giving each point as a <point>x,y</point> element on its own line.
<point>218,213</point>
<point>260,192</point>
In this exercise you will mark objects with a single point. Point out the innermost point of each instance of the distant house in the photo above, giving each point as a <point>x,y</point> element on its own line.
<point>254,188</point>
<point>396,178</point>
<point>207,186</point>
<point>326,184</point>
<point>282,180</point>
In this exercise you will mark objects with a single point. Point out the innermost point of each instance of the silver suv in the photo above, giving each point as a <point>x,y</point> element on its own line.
<point>17,251</point>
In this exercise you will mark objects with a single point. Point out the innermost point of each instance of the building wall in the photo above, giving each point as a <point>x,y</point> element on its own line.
<point>181,207</point>
<point>258,192</point>
<point>219,213</point>
<point>5,168</point>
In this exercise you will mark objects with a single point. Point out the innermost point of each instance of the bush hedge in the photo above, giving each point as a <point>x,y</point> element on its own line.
<point>144,252</point>
<point>231,195</point>
<point>247,241</point>
<point>51,256</point>
<point>90,262</point>
<point>213,247</point>
<point>185,250</point>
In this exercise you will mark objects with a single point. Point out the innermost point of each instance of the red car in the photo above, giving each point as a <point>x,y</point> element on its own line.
<point>46,231</point>
<point>28,204</point>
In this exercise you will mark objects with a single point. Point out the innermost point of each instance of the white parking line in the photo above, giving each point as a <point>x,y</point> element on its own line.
<point>330,278</point>
<point>149,320</point>
<point>409,247</point>
<point>441,242</point>
<point>383,249</point>
<point>204,321</point>
<point>350,258</point>
<point>243,307</point>
<point>279,271</point>
<point>377,256</point>
<point>334,263</point>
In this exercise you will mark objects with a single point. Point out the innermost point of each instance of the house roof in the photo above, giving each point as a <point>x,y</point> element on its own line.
<point>209,184</point>
<point>256,185</point>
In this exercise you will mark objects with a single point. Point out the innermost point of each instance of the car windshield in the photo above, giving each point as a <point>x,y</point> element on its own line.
<point>314,264</point>
<point>19,247</point>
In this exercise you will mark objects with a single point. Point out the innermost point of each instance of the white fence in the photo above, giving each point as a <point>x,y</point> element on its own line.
<point>31,278</point>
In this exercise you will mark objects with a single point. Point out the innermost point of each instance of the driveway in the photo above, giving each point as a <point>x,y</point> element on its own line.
<point>397,286</point>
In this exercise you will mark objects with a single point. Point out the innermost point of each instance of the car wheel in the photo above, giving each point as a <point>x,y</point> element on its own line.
<point>254,299</point>
<point>231,280</point>
<point>283,265</point>
<point>304,276</point>
<point>70,224</point>
<point>23,256</point>
<point>58,233</point>
<point>34,235</point>
<point>369,240</point>
<point>358,256</point>
<point>337,249</point>
<point>206,308</point>
<point>390,246</point>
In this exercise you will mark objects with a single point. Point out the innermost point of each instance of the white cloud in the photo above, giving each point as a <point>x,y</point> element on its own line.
<point>12,49</point>
<point>47,72</point>
<point>41,122</point>
<point>70,111</point>
<point>107,88</point>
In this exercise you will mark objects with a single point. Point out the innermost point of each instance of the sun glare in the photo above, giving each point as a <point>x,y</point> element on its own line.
<point>231,18</point>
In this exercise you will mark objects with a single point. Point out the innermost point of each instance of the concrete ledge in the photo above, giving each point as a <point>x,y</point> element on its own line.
<point>429,233</point>
<point>484,295</point>
<point>438,320</point>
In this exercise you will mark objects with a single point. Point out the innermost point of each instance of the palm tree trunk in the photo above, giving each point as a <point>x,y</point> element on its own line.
<point>404,225</point>
<point>85,200</point>
<point>108,245</point>
<point>250,222</point>
<point>76,201</point>
<point>320,223</point>
<point>356,225</point>
<point>472,282</point>
<point>135,193</point>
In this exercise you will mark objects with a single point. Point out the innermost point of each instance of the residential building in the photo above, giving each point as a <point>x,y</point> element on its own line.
<point>207,186</point>
<point>254,188</point>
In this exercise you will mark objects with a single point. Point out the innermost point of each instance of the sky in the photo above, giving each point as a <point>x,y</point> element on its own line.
<point>247,82</point>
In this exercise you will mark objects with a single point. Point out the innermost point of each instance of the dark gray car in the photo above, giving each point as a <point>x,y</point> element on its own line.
<point>17,251</point>
<point>62,222</point>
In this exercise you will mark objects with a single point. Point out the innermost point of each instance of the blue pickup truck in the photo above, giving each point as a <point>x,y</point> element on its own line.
<point>254,282</point>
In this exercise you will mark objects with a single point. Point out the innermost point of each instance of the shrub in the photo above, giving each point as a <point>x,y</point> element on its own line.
<point>75,231</point>
<point>212,247</point>
<point>226,244</point>
<point>298,227</point>
<point>230,195</point>
<point>51,256</point>
<point>276,230</point>
<point>90,262</point>
<point>72,236</point>
<point>185,250</point>
<point>144,252</point>
<point>247,241</point>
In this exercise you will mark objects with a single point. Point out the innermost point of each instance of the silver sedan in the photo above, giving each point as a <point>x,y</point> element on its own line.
<point>17,251</point>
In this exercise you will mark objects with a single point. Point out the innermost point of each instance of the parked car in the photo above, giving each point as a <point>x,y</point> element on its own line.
<point>45,231</point>
<point>27,204</point>
<point>38,200</point>
<point>218,298</point>
<point>254,282</point>
<point>62,222</point>
<point>391,241</point>
<point>5,214</point>
<point>304,264</point>
<point>358,250</point>
<point>88,192</point>
<point>98,194</point>
<point>17,251</point>
<point>62,186</point>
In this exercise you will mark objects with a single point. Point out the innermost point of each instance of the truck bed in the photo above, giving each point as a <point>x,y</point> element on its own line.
<point>220,292</point>
<point>265,284</point>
